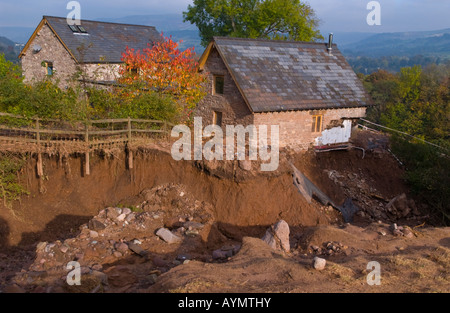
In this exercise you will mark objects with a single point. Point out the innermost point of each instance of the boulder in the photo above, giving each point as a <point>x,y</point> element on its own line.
<point>277,236</point>
<point>319,263</point>
<point>399,206</point>
<point>96,225</point>
<point>168,236</point>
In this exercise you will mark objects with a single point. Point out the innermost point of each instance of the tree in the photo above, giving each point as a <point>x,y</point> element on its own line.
<point>269,19</point>
<point>164,69</point>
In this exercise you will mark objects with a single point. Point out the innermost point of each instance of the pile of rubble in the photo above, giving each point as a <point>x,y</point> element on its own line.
<point>372,205</point>
<point>118,239</point>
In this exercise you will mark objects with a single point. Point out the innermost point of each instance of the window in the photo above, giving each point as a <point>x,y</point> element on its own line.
<point>49,68</point>
<point>218,84</point>
<point>73,28</point>
<point>317,123</point>
<point>217,118</point>
<point>134,70</point>
<point>77,29</point>
<point>82,29</point>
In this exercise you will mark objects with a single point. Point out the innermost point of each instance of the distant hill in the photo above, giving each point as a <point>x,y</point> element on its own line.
<point>408,44</point>
<point>9,49</point>
<point>392,51</point>
<point>366,52</point>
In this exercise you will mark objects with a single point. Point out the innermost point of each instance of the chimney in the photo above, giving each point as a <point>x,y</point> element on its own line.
<point>330,44</point>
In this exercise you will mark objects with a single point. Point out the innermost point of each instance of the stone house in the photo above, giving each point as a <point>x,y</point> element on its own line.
<point>61,51</point>
<point>308,89</point>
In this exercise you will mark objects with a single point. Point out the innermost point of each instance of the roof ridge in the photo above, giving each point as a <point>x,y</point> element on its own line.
<point>270,40</point>
<point>58,17</point>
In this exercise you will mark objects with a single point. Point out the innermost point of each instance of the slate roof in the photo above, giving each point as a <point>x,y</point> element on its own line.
<point>103,42</point>
<point>275,75</point>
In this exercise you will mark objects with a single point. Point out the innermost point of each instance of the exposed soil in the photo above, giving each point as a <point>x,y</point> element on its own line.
<point>234,207</point>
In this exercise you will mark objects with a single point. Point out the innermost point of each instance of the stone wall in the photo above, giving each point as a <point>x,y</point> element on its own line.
<point>64,66</point>
<point>296,126</point>
<point>233,107</point>
<point>101,71</point>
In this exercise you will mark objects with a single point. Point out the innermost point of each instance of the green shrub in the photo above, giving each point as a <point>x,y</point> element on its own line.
<point>10,187</point>
<point>427,169</point>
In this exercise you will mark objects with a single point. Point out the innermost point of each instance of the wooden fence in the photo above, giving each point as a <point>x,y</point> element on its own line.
<point>38,136</point>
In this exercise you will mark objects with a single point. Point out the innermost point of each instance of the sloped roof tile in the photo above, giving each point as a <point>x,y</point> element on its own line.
<point>103,42</point>
<point>285,75</point>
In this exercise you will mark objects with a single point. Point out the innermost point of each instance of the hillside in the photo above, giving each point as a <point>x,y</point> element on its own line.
<point>366,52</point>
<point>392,51</point>
<point>8,47</point>
<point>428,43</point>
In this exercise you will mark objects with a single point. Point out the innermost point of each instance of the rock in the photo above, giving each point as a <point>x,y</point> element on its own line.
<point>130,217</point>
<point>399,206</point>
<point>121,217</point>
<point>408,233</point>
<point>193,225</point>
<point>168,236</point>
<point>97,267</point>
<point>96,225</point>
<point>152,278</point>
<point>113,213</point>
<point>397,233</point>
<point>136,249</point>
<point>117,254</point>
<point>93,234</point>
<point>121,247</point>
<point>277,236</point>
<point>319,263</point>
<point>126,211</point>
<point>64,248</point>
<point>245,165</point>
<point>41,246</point>
<point>191,232</point>
<point>219,254</point>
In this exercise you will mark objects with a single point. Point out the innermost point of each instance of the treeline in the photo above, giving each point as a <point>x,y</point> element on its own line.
<point>393,64</point>
<point>417,101</point>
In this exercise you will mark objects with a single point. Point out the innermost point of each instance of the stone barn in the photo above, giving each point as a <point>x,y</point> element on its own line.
<point>60,51</point>
<point>308,89</point>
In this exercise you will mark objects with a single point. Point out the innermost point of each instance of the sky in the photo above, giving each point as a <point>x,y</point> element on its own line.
<point>335,15</point>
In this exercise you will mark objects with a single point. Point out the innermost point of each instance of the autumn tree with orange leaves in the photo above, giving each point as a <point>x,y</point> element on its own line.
<point>164,69</point>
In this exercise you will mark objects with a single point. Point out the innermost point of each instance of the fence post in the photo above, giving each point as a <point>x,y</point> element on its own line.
<point>130,153</point>
<point>39,167</point>
<point>86,139</point>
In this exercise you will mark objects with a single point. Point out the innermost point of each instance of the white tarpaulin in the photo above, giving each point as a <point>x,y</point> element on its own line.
<point>340,134</point>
